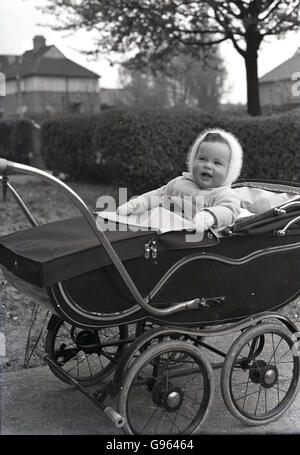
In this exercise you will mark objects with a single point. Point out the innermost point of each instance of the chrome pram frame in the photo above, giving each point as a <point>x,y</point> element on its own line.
<point>150,345</point>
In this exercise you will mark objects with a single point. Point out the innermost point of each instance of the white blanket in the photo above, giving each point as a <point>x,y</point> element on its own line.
<point>159,219</point>
<point>256,201</point>
<point>253,202</point>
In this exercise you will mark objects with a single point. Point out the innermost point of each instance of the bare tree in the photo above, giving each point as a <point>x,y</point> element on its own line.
<point>152,30</point>
<point>145,88</point>
<point>200,83</point>
<point>183,82</point>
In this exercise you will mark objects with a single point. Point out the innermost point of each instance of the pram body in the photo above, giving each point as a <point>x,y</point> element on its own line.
<point>139,277</point>
<point>226,271</point>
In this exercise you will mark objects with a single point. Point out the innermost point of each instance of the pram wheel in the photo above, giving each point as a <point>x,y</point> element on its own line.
<point>260,380</point>
<point>167,390</point>
<point>87,355</point>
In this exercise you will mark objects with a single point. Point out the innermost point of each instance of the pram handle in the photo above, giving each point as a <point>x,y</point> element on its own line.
<point>281,210</point>
<point>17,168</point>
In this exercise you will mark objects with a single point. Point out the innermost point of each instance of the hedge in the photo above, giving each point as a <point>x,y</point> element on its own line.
<point>70,145</point>
<point>16,140</point>
<point>142,150</point>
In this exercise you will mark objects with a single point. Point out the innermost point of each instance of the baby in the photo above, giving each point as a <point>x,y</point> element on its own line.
<point>214,163</point>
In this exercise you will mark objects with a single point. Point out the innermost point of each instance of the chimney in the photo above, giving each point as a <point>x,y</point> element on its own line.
<point>38,42</point>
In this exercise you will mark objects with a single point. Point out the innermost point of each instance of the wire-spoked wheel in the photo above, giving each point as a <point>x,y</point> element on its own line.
<point>260,376</point>
<point>87,355</point>
<point>167,390</point>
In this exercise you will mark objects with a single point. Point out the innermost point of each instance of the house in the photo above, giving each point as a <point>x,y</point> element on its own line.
<point>278,88</point>
<point>44,81</point>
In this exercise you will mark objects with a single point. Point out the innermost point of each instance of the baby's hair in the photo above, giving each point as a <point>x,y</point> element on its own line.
<point>215,137</point>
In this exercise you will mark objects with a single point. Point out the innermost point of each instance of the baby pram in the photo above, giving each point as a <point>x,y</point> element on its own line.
<point>98,284</point>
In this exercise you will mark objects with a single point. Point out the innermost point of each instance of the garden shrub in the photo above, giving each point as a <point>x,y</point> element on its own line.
<point>68,146</point>
<point>144,149</point>
<point>271,145</point>
<point>16,140</point>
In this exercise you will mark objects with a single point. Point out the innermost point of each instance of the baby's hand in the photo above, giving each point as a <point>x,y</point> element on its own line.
<point>203,220</point>
<point>137,205</point>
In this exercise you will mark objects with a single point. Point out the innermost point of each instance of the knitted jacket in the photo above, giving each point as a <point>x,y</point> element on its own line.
<point>187,197</point>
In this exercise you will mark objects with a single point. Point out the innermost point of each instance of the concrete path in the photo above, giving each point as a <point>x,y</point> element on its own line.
<point>35,402</point>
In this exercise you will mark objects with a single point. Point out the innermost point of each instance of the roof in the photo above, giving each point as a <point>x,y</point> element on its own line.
<point>284,71</point>
<point>37,63</point>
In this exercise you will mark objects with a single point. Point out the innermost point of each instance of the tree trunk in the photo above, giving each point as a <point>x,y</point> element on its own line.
<point>253,102</point>
<point>253,41</point>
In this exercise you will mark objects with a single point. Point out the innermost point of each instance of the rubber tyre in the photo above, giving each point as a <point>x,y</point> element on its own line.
<point>147,357</point>
<point>54,325</point>
<point>226,373</point>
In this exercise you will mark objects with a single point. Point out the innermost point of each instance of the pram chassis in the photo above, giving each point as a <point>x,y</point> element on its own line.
<point>154,341</point>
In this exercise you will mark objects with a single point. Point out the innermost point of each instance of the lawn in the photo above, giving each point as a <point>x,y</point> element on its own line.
<point>45,202</point>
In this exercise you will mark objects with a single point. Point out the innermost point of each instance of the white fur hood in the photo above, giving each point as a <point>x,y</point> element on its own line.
<point>236,160</point>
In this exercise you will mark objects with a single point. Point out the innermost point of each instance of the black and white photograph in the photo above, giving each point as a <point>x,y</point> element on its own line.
<point>150,220</point>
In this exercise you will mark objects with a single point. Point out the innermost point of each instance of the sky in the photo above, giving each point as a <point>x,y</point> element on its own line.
<point>19,22</point>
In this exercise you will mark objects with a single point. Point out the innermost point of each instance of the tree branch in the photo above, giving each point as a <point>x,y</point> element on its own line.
<point>201,43</point>
<point>270,11</point>
<point>285,24</point>
<point>228,30</point>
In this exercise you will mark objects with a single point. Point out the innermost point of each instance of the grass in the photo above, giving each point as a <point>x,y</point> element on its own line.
<point>46,203</point>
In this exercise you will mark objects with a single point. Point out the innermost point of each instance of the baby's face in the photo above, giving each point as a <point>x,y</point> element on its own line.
<point>211,164</point>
